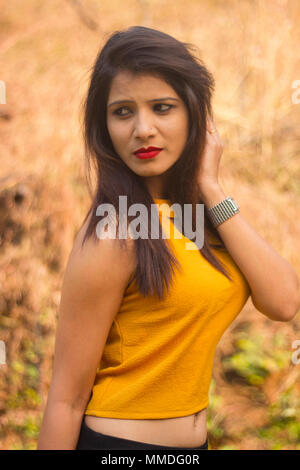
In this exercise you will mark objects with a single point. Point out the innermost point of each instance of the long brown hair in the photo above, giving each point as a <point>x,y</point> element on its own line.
<point>145,50</point>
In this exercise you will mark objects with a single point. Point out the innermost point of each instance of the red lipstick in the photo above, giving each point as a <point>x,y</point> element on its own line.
<point>149,152</point>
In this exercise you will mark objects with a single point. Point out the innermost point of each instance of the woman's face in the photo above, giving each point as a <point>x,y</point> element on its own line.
<point>148,113</point>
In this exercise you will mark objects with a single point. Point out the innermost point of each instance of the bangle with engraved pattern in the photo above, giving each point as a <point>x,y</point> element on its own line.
<point>222,211</point>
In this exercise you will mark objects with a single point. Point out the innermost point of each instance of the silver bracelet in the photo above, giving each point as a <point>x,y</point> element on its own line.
<point>222,211</point>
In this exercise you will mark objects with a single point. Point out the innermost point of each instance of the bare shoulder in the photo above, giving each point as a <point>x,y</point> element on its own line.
<point>95,278</point>
<point>99,257</point>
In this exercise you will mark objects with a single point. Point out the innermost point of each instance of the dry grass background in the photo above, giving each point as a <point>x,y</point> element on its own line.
<point>46,51</point>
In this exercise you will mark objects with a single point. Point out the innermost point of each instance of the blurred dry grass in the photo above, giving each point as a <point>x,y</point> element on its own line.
<point>46,51</point>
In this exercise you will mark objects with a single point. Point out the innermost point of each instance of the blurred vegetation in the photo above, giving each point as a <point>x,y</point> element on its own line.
<point>47,49</point>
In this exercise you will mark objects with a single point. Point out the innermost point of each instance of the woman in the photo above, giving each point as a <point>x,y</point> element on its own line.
<point>140,317</point>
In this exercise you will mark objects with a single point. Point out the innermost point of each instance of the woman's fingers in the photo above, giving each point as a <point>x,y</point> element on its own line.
<point>210,125</point>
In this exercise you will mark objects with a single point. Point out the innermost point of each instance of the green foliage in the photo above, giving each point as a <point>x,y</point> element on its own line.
<point>214,416</point>
<point>28,398</point>
<point>254,360</point>
<point>29,353</point>
<point>32,374</point>
<point>228,447</point>
<point>284,421</point>
<point>29,428</point>
<point>17,445</point>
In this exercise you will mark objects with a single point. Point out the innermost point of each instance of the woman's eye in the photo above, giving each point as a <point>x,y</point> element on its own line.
<point>169,106</point>
<point>118,111</point>
<point>160,107</point>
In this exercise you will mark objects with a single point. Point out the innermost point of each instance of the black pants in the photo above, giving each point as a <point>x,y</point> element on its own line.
<point>90,439</point>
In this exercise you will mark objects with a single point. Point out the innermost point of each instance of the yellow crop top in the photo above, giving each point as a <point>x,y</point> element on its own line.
<point>158,358</point>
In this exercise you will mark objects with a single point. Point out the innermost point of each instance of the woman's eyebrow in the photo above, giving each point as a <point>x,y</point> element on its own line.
<point>149,101</point>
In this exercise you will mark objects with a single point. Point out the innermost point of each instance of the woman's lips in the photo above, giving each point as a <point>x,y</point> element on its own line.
<point>150,154</point>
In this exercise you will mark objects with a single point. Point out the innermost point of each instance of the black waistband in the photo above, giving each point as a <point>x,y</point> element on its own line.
<point>89,437</point>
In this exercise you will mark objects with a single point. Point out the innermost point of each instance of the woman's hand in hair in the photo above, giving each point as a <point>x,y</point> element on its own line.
<point>210,158</point>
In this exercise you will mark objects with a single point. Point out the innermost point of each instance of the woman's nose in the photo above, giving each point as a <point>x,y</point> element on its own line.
<point>144,127</point>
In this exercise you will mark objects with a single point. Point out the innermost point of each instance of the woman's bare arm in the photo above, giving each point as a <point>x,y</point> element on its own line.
<point>273,281</point>
<point>93,286</point>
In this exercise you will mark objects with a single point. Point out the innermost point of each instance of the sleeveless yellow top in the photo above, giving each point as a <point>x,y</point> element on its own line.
<point>158,358</point>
